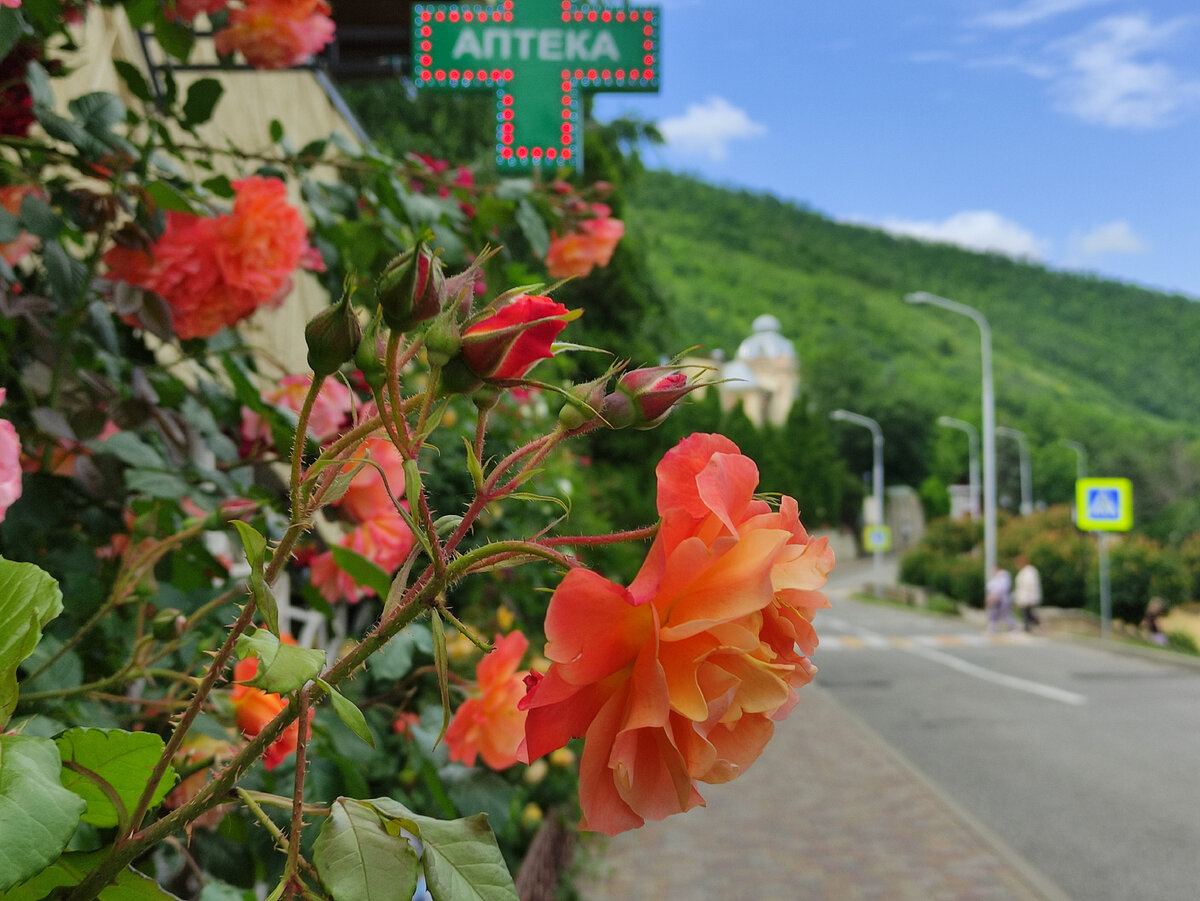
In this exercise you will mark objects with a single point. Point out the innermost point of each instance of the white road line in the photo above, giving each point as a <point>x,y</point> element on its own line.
<point>1034,688</point>
<point>919,645</point>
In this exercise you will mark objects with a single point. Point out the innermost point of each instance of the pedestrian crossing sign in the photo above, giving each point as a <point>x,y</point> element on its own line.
<point>1104,505</point>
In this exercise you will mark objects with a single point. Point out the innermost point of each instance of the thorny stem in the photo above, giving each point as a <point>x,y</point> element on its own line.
<point>127,850</point>
<point>599,540</point>
<point>302,735</point>
<point>314,388</point>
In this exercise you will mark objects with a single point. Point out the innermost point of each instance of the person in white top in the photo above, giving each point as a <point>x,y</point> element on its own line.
<point>1028,592</point>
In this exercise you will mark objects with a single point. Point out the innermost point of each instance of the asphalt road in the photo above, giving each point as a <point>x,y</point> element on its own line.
<point>1085,761</point>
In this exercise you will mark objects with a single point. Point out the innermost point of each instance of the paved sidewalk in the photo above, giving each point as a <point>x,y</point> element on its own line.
<point>828,812</point>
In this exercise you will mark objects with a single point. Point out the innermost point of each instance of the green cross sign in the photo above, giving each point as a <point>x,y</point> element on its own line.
<point>538,61</point>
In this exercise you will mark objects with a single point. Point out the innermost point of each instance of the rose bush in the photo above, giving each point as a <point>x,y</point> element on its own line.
<point>176,503</point>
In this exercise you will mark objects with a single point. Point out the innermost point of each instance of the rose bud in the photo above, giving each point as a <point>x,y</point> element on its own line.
<point>654,391</point>
<point>411,288</point>
<point>506,344</point>
<point>584,403</point>
<point>332,336</point>
<point>368,357</point>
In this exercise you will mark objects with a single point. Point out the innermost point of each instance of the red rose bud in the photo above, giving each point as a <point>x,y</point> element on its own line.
<point>332,337</point>
<point>654,391</point>
<point>411,288</point>
<point>506,344</point>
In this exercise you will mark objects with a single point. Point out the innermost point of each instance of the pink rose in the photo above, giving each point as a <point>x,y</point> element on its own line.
<point>10,463</point>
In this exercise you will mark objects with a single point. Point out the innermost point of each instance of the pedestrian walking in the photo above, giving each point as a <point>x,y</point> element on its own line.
<point>998,599</point>
<point>1150,624</point>
<point>1027,593</point>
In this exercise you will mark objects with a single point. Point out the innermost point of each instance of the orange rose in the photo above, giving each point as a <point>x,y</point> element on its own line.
<point>576,254</point>
<point>680,678</point>
<point>277,34</point>
<point>489,724</point>
<point>368,496</point>
<point>385,541</point>
<point>214,272</point>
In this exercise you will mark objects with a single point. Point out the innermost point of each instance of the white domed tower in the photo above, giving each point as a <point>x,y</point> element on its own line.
<point>764,373</point>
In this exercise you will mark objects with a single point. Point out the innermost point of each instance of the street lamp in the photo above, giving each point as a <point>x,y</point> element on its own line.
<point>876,477</point>
<point>972,458</point>
<point>1080,457</point>
<point>989,420</point>
<point>1026,476</point>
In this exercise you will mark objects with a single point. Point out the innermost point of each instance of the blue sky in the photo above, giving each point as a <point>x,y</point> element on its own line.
<point>1061,131</point>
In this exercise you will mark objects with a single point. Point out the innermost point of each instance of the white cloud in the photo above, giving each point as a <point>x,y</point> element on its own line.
<point>1031,12</point>
<point>1107,77</point>
<point>1110,238</point>
<point>708,127</point>
<point>983,230</point>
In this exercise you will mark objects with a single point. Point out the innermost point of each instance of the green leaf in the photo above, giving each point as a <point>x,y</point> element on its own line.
<point>11,29</point>
<point>134,80</point>
<point>281,667</point>
<point>264,598</point>
<point>276,131</point>
<point>219,185</point>
<point>37,815</point>
<point>127,447</point>
<point>461,858</point>
<point>140,12</point>
<point>175,38</point>
<point>156,483</point>
<point>67,275</point>
<point>394,660</point>
<point>348,713</point>
<point>359,860</point>
<point>168,197</point>
<point>38,217</point>
<point>109,769</point>
<point>29,598</point>
<point>474,467</point>
<point>98,111</point>
<point>202,97</point>
<point>10,225</point>
<point>362,570</point>
<point>441,663</point>
<point>70,869</point>
<point>534,228</point>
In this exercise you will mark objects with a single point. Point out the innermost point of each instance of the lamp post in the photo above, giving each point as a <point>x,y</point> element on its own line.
<point>1026,475</point>
<point>972,458</point>
<point>1080,457</point>
<point>876,476</point>
<point>989,419</point>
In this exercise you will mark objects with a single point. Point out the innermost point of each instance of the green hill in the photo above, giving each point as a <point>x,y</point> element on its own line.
<point>1076,357</point>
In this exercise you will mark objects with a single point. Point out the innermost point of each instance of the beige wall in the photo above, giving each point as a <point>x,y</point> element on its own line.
<point>251,100</point>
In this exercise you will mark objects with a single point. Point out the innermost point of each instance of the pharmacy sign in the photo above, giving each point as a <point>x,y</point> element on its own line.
<point>537,57</point>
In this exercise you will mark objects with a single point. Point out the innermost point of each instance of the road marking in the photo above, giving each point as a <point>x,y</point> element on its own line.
<point>1014,682</point>
<point>926,647</point>
<point>903,642</point>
